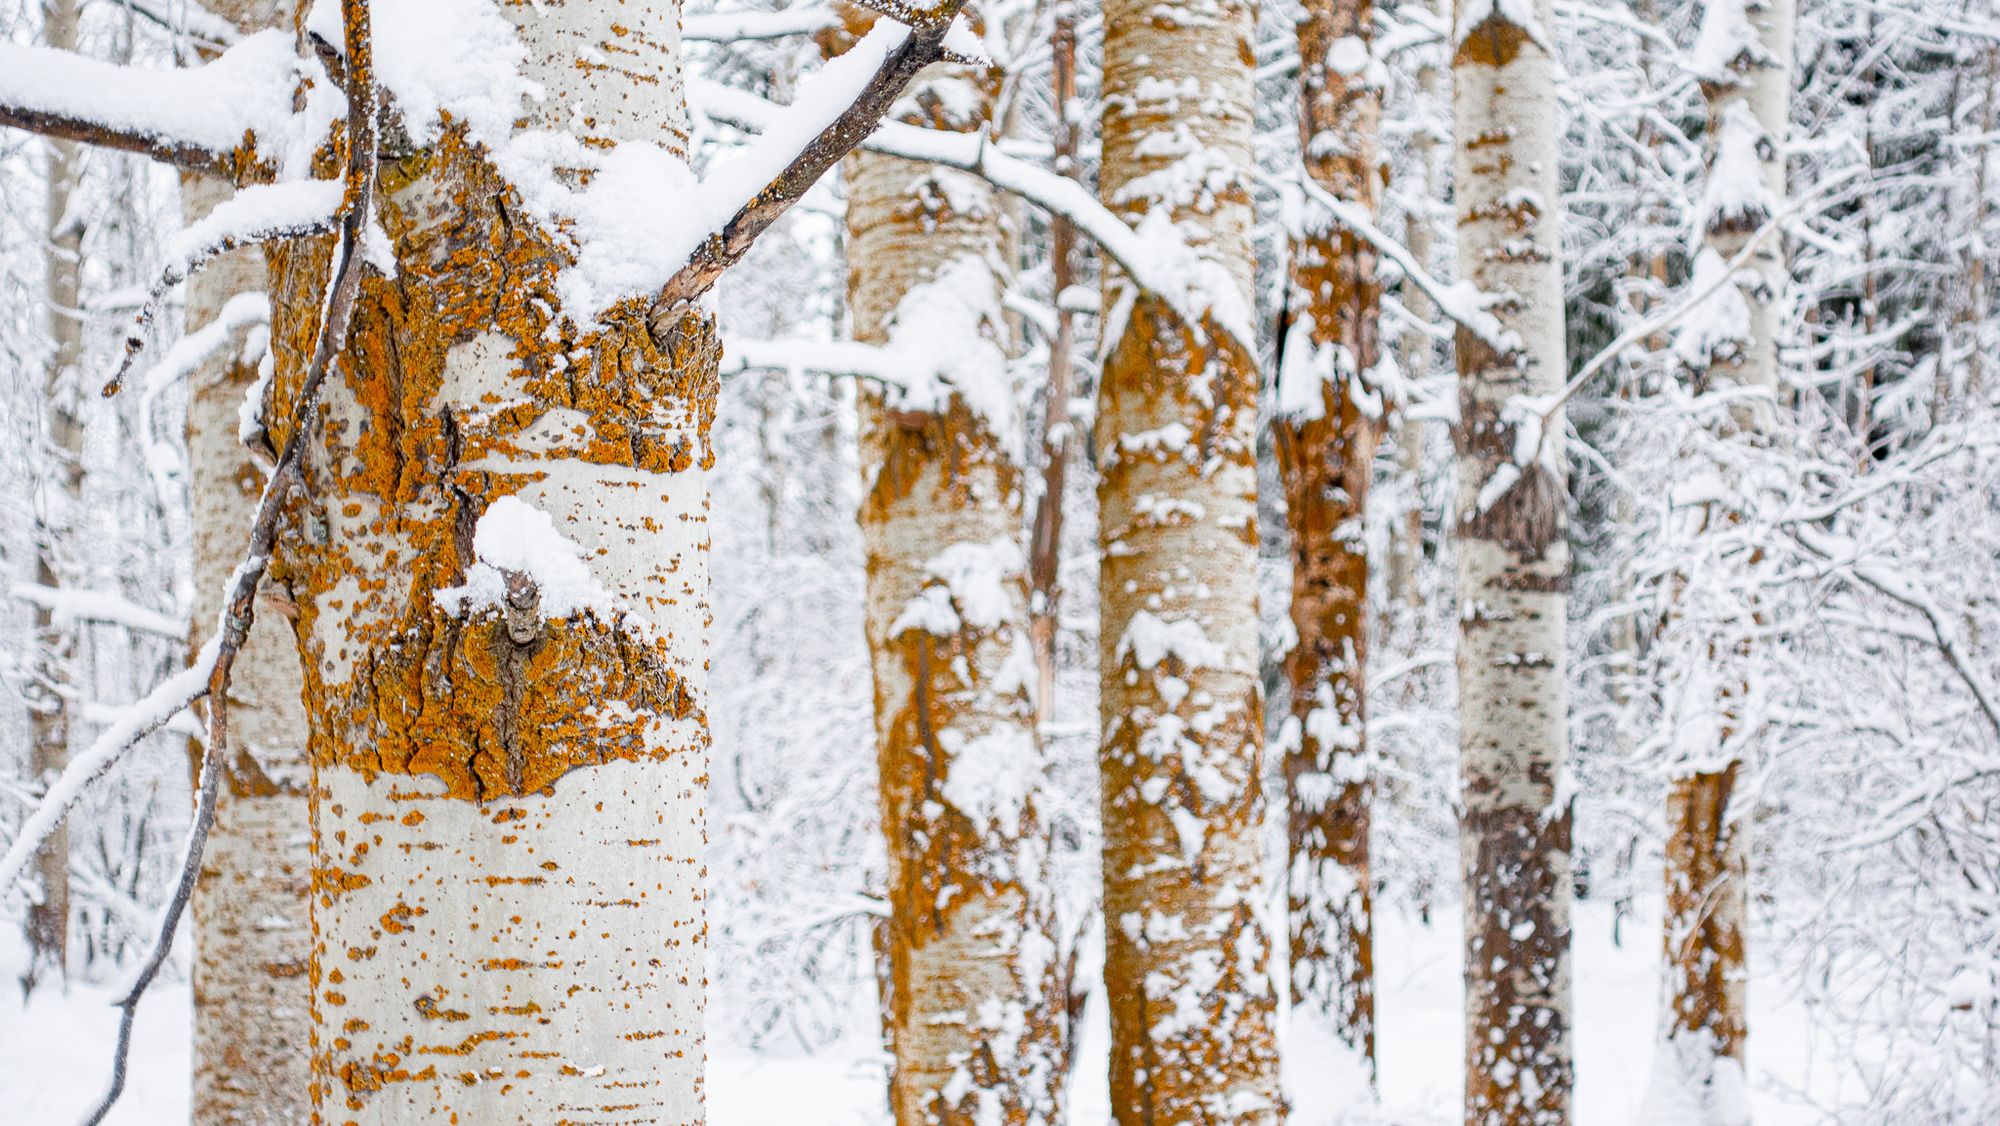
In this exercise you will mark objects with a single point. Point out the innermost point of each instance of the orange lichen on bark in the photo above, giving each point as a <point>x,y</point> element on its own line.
<point>1326,455</point>
<point>466,759</point>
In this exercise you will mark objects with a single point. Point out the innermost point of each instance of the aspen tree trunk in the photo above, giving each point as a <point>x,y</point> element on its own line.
<point>1326,451</point>
<point>1705,859</point>
<point>252,1017</point>
<point>1187,956</point>
<point>48,753</point>
<point>1406,533</point>
<point>976,999</point>
<point>1046,531</point>
<point>1513,575</point>
<point>499,561</point>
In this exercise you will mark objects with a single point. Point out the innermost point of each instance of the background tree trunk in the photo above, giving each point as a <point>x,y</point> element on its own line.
<point>1749,100</point>
<point>509,755</point>
<point>1187,955</point>
<point>62,497</point>
<point>1513,576</point>
<point>976,997</point>
<point>252,1012</point>
<point>1326,451</point>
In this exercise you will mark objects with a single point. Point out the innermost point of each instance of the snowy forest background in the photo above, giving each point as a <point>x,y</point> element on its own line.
<point>1872,742</point>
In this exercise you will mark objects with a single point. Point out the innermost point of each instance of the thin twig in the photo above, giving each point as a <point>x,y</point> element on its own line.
<point>240,611</point>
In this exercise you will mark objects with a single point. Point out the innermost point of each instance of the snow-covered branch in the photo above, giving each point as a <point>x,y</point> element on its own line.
<point>734,27</point>
<point>1155,265</point>
<point>67,606</point>
<point>842,104</point>
<point>195,118</point>
<point>150,714</point>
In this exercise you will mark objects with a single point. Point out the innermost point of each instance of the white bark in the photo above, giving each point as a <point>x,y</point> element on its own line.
<point>1513,574</point>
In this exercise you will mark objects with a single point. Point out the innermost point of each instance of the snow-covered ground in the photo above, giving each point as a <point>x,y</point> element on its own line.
<point>54,1054</point>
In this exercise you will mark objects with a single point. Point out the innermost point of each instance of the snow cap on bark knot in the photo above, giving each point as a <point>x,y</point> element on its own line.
<point>524,562</point>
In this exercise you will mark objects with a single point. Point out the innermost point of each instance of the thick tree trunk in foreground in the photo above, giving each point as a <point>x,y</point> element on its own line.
<point>1326,449</point>
<point>1187,958</point>
<point>1748,90</point>
<point>975,995</point>
<point>252,1013</point>
<point>1513,574</point>
<point>500,566</point>
<point>48,753</point>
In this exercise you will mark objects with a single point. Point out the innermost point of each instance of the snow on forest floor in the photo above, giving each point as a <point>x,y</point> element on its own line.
<point>54,1055</point>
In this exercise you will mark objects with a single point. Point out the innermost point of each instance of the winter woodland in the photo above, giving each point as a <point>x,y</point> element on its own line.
<point>1157,562</point>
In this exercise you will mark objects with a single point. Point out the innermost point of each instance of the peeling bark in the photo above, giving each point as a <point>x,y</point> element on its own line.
<point>1513,580</point>
<point>1326,452</point>
<point>1187,956</point>
<point>507,801</point>
<point>975,998</point>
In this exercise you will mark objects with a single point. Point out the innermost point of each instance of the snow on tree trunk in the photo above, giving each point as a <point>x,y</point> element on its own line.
<point>1187,948</point>
<point>1513,573</point>
<point>1743,58</point>
<point>975,998</point>
<point>252,1013</point>
<point>1325,433</point>
<point>500,565</point>
<point>48,753</point>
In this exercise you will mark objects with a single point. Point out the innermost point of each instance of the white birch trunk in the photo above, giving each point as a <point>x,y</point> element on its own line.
<point>1513,574</point>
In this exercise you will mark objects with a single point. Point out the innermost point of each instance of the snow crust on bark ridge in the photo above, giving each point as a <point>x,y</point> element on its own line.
<point>515,537</point>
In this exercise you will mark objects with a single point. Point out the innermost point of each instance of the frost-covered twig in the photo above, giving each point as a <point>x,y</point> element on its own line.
<point>815,152</point>
<point>1534,415</point>
<point>257,214</point>
<point>1895,588</point>
<point>1460,301</point>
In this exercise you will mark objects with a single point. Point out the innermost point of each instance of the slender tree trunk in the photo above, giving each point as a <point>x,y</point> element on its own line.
<point>1406,531</point>
<point>48,753</point>
<point>976,997</point>
<point>252,1013</point>
<point>1187,957</point>
<point>500,564</point>
<point>1749,102</point>
<point>1326,450</point>
<point>1513,576</point>
<point>1046,532</point>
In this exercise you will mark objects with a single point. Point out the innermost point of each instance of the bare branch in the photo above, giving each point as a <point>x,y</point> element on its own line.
<point>923,46</point>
